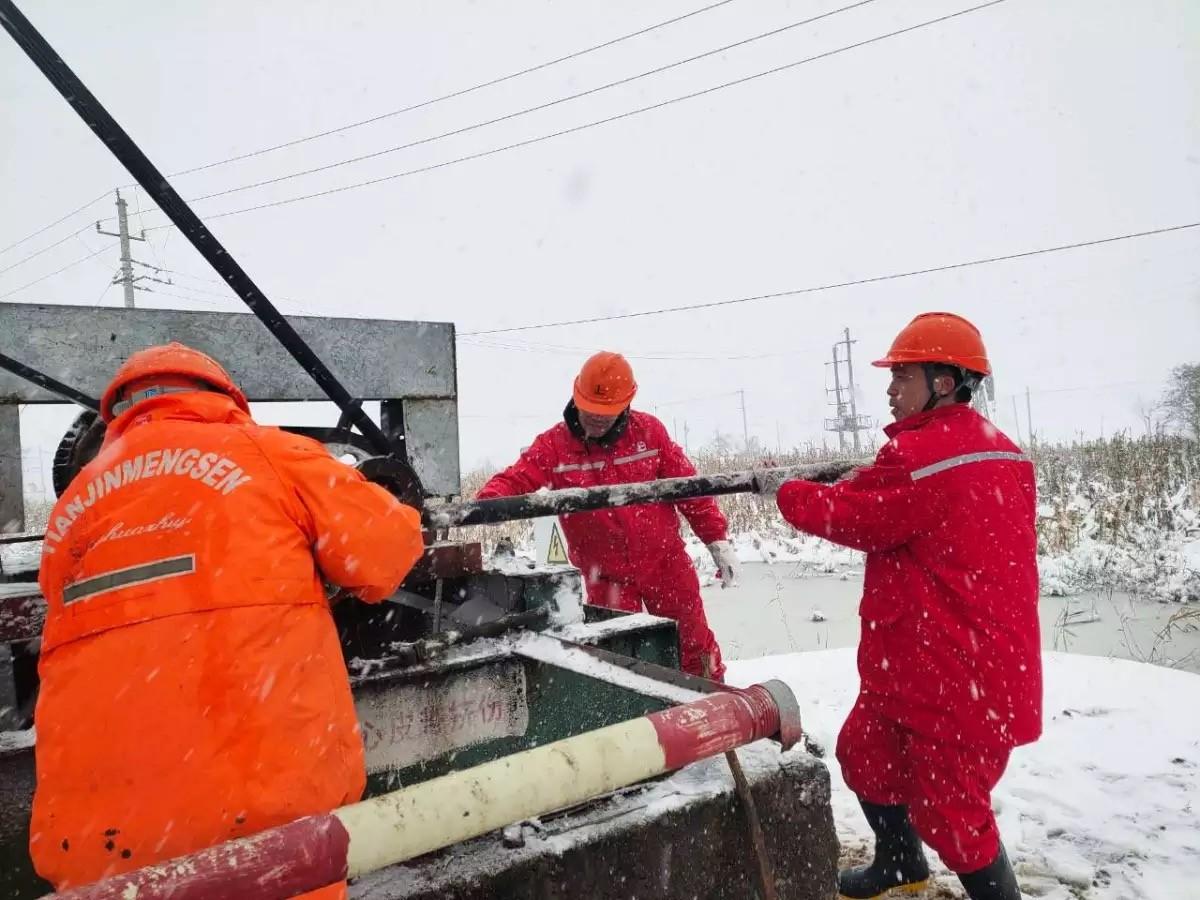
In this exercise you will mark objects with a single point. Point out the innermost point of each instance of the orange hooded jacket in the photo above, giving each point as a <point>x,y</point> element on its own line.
<point>192,683</point>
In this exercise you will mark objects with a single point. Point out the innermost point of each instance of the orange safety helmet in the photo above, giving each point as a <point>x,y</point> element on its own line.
<point>605,385</point>
<point>939,337</point>
<point>173,359</point>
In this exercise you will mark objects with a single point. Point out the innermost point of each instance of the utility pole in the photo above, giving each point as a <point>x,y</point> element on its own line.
<point>126,277</point>
<point>850,372</point>
<point>837,400</point>
<point>1017,419</point>
<point>846,417</point>
<point>1029,415</point>
<point>745,429</point>
<point>685,436</point>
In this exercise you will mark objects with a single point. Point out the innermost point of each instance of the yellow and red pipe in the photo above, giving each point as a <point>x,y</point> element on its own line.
<point>324,849</point>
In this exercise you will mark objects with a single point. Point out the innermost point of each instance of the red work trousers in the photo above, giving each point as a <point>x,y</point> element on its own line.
<point>673,592</point>
<point>946,787</point>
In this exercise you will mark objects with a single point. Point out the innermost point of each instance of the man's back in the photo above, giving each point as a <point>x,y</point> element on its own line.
<point>193,688</point>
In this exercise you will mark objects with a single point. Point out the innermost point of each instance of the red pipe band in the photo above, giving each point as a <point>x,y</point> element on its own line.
<point>292,859</point>
<point>714,724</point>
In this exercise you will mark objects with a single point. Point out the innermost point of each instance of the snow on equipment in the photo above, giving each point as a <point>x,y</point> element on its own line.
<point>486,695</point>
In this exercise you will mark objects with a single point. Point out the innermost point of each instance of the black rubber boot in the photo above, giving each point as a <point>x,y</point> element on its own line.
<point>995,882</point>
<point>899,865</point>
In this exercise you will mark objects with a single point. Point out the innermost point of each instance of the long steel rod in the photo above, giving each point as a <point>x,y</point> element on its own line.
<point>665,490</point>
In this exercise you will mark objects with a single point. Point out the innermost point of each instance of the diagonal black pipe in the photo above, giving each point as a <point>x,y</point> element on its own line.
<point>41,379</point>
<point>154,183</point>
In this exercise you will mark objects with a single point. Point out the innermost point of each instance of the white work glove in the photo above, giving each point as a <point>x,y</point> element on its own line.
<point>728,565</point>
<point>768,480</point>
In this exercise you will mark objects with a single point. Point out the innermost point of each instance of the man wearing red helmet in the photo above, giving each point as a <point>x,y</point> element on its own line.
<point>192,683</point>
<point>949,659</point>
<point>633,555</point>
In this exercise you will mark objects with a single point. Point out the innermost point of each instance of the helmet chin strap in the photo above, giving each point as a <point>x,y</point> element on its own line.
<point>933,394</point>
<point>964,378</point>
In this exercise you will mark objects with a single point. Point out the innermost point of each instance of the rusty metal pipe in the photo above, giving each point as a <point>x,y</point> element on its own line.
<point>665,490</point>
<point>324,849</point>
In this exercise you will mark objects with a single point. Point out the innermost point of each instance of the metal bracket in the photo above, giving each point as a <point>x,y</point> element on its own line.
<point>790,731</point>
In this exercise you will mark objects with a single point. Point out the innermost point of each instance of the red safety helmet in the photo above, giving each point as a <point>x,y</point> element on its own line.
<point>605,385</point>
<point>939,337</point>
<point>175,360</point>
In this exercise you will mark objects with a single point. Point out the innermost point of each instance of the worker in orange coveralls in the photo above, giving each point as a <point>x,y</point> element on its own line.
<point>950,657</point>
<point>192,682</point>
<point>632,555</point>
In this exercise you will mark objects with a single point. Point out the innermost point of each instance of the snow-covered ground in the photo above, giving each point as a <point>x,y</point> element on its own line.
<point>1104,807</point>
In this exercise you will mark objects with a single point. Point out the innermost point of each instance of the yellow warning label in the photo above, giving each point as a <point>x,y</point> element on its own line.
<point>556,554</point>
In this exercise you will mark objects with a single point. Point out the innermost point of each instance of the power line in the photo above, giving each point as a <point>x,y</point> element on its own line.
<point>37,253</point>
<point>686,400</point>
<point>529,109</point>
<point>108,287</point>
<point>163,293</point>
<point>453,94</point>
<point>228,295</point>
<point>570,352</point>
<point>625,115</point>
<point>45,228</point>
<point>1083,387</point>
<point>459,93</point>
<point>142,222</point>
<point>182,274</point>
<point>659,356</point>
<point>70,265</point>
<point>512,344</point>
<point>842,284</point>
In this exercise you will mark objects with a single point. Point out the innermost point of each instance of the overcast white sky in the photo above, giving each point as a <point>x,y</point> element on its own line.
<point>1028,124</point>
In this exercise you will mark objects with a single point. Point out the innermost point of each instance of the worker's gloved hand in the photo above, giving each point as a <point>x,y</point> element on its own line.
<point>728,565</point>
<point>768,481</point>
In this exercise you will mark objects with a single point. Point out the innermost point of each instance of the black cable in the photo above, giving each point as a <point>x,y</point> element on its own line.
<point>130,155</point>
<point>829,287</point>
<point>53,385</point>
<point>529,109</point>
<point>458,93</point>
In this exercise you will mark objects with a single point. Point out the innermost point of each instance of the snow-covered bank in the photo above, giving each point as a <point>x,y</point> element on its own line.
<point>1163,568</point>
<point>1103,807</point>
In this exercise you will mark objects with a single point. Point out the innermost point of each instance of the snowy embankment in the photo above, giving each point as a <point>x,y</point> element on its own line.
<point>1103,807</point>
<point>1168,569</point>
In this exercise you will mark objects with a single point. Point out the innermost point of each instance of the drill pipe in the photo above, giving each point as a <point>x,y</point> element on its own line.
<point>665,490</point>
<point>324,849</point>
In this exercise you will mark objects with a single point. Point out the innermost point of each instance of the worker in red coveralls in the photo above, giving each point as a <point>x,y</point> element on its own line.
<point>949,660</point>
<point>633,555</point>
